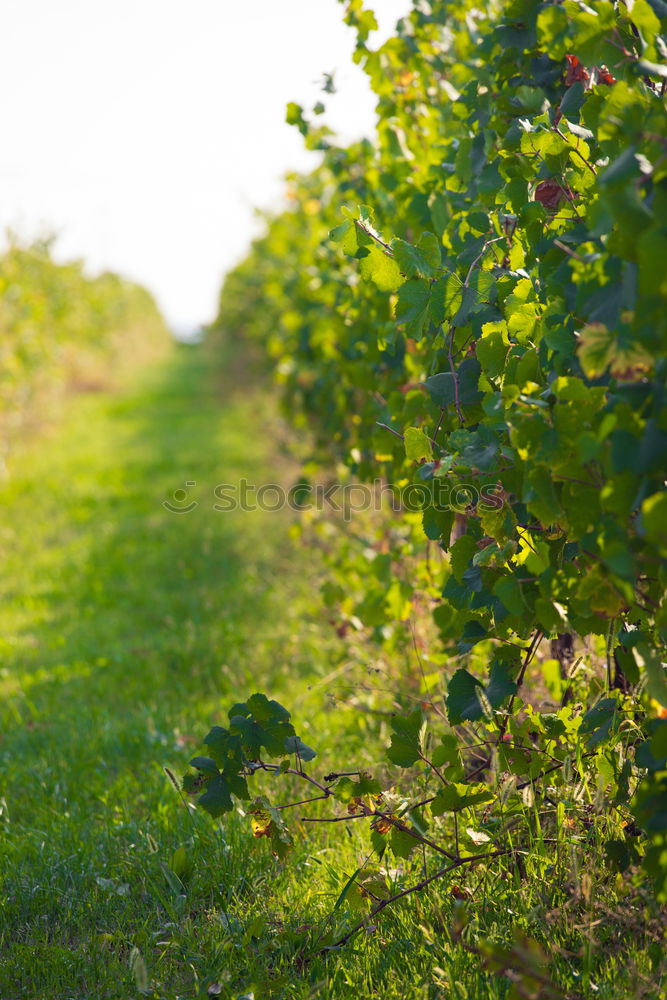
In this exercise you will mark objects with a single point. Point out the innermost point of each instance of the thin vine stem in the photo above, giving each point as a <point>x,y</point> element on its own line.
<point>418,887</point>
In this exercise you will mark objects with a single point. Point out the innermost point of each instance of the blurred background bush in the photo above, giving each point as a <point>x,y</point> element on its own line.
<point>63,330</point>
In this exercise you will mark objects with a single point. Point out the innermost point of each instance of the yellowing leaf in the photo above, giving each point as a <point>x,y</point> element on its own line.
<point>417,445</point>
<point>601,349</point>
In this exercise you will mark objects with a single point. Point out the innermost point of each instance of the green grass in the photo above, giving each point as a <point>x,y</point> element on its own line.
<point>125,632</point>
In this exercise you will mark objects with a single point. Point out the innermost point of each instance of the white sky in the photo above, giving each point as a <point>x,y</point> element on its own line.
<point>144,132</point>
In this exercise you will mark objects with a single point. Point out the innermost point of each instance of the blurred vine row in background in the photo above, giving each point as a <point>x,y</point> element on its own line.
<point>63,329</point>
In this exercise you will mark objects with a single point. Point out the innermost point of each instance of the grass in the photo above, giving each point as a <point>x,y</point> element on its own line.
<point>125,632</point>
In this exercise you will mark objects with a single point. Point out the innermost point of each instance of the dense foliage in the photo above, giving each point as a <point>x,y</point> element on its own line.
<point>59,327</point>
<point>461,829</point>
<point>474,303</point>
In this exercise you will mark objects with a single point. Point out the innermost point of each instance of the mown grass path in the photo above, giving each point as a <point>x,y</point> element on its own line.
<point>125,631</point>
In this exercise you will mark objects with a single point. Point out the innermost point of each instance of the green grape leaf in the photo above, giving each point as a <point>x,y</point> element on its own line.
<point>508,590</point>
<point>650,662</point>
<point>376,266</point>
<point>413,309</point>
<point>421,261</point>
<point>225,748</point>
<point>417,445</point>
<point>406,741</point>
<point>457,796</point>
<point>446,752</point>
<point>441,389</point>
<point>469,699</point>
<point>492,348</point>
<point>217,799</point>
<point>463,698</point>
<point>460,555</point>
<point>654,520</point>
<point>261,723</point>
<point>204,764</point>
<point>442,386</point>
<point>573,98</point>
<point>293,744</point>
<point>401,843</point>
<point>347,789</point>
<point>600,723</point>
<point>500,686</point>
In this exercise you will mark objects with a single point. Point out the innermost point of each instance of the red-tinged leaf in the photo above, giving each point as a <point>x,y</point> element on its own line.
<point>552,192</point>
<point>575,71</point>
<point>604,76</point>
